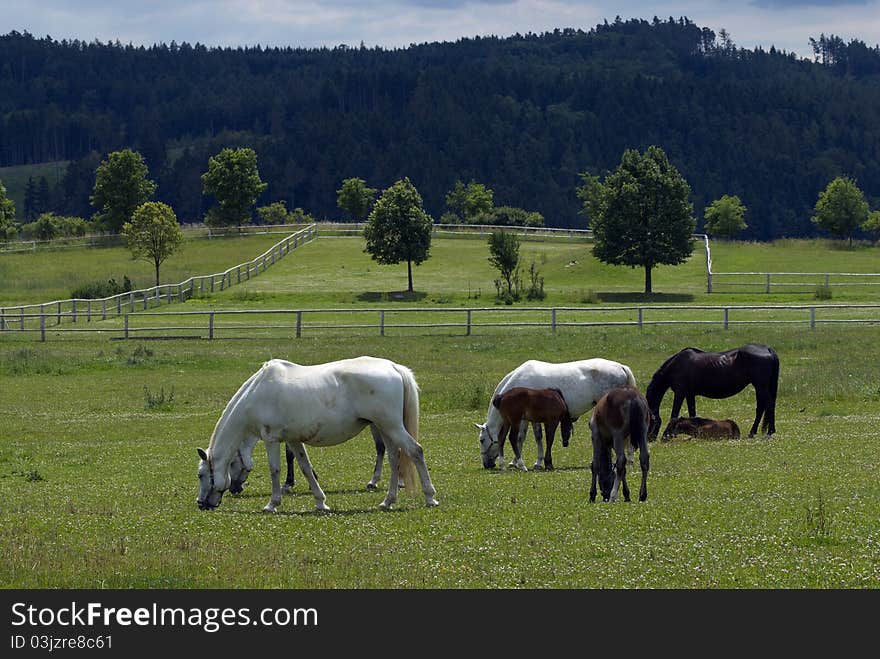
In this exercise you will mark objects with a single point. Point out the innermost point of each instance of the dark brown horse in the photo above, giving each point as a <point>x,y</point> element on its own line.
<point>701,428</point>
<point>692,372</point>
<point>545,406</point>
<point>620,420</point>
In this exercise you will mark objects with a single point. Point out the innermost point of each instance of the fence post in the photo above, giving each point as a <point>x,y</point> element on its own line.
<point>21,318</point>
<point>126,326</point>
<point>59,314</point>
<point>131,300</point>
<point>104,309</point>
<point>89,311</point>
<point>553,319</point>
<point>640,317</point>
<point>708,282</point>
<point>768,283</point>
<point>42,325</point>
<point>812,318</point>
<point>382,322</point>
<point>2,319</point>
<point>299,323</point>
<point>726,317</point>
<point>211,325</point>
<point>826,281</point>
<point>468,332</point>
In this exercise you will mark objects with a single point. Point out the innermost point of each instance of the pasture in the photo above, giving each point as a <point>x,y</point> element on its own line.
<point>98,462</point>
<point>98,474</point>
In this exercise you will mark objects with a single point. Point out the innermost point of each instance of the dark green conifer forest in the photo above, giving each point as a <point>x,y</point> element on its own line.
<point>524,115</point>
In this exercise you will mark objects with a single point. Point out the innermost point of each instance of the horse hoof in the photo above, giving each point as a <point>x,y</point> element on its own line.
<point>269,509</point>
<point>371,486</point>
<point>385,506</point>
<point>286,489</point>
<point>323,508</point>
<point>431,502</point>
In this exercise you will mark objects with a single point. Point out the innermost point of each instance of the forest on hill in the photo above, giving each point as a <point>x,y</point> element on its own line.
<point>524,115</point>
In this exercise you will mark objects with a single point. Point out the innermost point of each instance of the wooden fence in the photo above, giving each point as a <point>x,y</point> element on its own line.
<point>296,323</point>
<point>33,316</point>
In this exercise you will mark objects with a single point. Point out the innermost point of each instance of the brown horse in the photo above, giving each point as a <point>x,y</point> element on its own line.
<point>620,420</point>
<point>545,406</point>
<point>701,428</point>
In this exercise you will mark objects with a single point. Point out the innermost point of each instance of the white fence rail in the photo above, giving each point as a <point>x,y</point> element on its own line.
<point>298,322</point>
<point>28,316</point>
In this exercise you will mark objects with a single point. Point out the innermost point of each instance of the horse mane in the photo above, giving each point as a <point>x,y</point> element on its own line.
<point>233,403</point>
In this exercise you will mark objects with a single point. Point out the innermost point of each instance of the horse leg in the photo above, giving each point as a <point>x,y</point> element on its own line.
<point>677,400</point>
<point>288,482</point>
<point>517,435</point>
<point>400,441</point>
<point>550,429</point>
<point>541,459</point>
<point>692,406</point>
<point>273,453</point>
<point>760,408</point>
<point>305,466</point>
<point>597,457</point>
<point>380,457</point>
<point>620,474</point>
<point>644,462</point>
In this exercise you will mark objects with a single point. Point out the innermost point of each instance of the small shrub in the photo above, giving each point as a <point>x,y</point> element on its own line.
<point>157,401</point>
<point>33,476</point>
<point>536,284</point>
<point>823,292</point>
<point>97,290</point>
<point>140,355</point>
<point>818,521</point>
<point>589,296</point>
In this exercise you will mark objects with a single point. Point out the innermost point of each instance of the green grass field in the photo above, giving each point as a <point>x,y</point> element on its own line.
<point>98,483</point>
<point>98,462</point>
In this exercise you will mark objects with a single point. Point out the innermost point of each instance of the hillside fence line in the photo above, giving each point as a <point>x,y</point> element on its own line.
<point>77,309</point>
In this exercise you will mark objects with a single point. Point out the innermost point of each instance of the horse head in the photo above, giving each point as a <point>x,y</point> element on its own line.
<point>212,484</point>
<point>489,447</point>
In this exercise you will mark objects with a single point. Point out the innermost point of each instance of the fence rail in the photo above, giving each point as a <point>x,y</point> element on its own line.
<point>24,317</point>
<point>299,322</point>
<point>803,281</point>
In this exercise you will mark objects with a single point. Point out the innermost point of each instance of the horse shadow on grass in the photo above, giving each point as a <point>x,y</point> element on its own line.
<point>649,298</point>
<point>391,296</point>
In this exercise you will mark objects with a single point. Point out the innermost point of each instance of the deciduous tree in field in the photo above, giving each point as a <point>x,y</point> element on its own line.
<point>398,228</point>
<point>841,208</point>
<point>725,217</point>
<point>355,198</point>
<point>153,233</point>
<point>872,224</point>
<point>504,256</point>
<point>234,181</point>
<point>121,185</point>
<point>469,201</point>
<point>640,215</point>
<point>7,215</point>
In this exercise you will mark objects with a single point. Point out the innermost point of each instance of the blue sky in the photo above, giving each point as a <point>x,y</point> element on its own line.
<point>786,24</point>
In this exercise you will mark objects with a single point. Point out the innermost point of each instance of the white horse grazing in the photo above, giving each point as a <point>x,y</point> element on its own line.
<point>320,405</point>
<point>582,384</point>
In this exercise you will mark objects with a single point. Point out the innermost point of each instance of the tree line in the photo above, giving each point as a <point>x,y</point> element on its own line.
<point>525,115</point>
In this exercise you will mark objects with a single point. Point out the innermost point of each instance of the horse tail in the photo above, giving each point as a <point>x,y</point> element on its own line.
<point>638,423</point>
<point>630,378</point>
<point>411,423</point>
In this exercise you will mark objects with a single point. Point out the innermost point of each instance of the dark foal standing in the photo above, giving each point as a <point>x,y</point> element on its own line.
<point>693,372</point>
<point>620,420</point>
<point>545,406</point>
